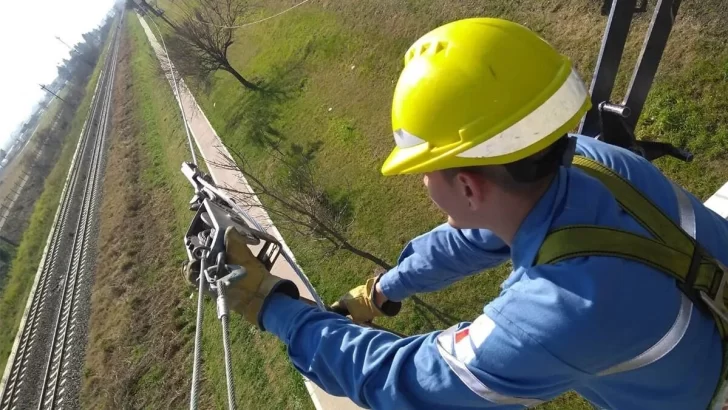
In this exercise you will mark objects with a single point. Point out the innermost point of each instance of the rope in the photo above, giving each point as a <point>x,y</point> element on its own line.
<point>254,22</point>
<point>177,95</point>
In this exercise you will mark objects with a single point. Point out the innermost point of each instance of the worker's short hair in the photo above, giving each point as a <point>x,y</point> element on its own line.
<point>524,174</point>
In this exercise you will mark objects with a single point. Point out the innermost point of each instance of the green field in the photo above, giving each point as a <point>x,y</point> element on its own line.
<point>330,68</point>
<point>17,285</point>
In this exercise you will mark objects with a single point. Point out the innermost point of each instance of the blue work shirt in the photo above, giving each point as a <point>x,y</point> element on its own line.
<point>552,329</point>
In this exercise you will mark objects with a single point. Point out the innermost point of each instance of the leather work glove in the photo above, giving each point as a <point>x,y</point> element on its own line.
<point>247,295</point>
<point>359,303</point>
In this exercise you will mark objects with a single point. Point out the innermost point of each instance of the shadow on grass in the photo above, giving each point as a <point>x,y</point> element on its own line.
<point>255,113</point>
<point>427,312</point>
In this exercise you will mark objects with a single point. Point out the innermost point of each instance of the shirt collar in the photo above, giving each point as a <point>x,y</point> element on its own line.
<point>535,226</point>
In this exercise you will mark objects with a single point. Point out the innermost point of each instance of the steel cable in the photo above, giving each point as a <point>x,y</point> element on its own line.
<point>252,22</point>
<point>224,319</point>
<point>198,336</point>
<point>177,95</point>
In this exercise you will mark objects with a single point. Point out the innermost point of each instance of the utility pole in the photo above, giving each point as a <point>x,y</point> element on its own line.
<point>64,43</point>
<point>71,48</point>
<point>57,96</point>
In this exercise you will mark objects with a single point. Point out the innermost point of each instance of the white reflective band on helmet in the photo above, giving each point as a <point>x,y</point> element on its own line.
<point>673,336</point>
<point>404,139</point>
<point>448,343</point>
<point>540,123</point>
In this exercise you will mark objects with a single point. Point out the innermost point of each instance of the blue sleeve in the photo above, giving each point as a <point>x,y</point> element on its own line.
<point>379,370</point>
<point>440,257</point>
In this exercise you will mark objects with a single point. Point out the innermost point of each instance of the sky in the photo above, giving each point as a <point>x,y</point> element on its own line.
<point>30,52</point>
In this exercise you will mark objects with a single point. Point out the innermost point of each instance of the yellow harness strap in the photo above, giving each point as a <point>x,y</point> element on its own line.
<point>671,250</point>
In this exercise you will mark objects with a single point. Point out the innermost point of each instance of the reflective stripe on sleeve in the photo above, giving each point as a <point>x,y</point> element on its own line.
<point>455,345</point>
<point>687,213</point>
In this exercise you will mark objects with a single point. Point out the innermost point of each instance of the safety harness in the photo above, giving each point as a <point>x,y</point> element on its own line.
<point>672,250</point>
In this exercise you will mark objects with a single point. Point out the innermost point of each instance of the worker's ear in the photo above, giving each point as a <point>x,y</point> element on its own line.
<point>474,188</point>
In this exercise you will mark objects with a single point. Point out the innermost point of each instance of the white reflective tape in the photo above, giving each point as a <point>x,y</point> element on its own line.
<point>687,213</point>
<point>541,122</point>
<point>464,351</point>
<point>481,329</point>
<point>444,340</point>
<point>663,346</point>
<point>404,139</point>
<point>470,338</point>
<point>677,331</point>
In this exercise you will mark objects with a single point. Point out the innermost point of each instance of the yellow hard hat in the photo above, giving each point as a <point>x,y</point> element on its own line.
<point>481,91</point>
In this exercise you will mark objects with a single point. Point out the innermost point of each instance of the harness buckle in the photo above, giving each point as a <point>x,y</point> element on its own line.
<point>717,303</point>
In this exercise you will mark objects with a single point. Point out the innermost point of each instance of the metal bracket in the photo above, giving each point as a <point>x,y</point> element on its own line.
<point>607,5</point>
<point>653,47</point>
<point>615,123</point>
<point>214,214</point>
<point>717,304</point>
<point>616,131</point>
<point>610,56</point>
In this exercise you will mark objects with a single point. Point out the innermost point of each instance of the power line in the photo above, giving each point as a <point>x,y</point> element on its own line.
<point>177,94</point>
<point>90,63</point>
<point>57,96</point>
<point>254,22</point>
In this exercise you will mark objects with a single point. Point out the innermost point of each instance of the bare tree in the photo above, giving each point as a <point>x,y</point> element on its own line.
<point>296,199</point>
<point>203,37</point>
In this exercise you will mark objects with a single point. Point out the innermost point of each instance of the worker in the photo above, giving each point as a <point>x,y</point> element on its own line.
<point>483,110</point>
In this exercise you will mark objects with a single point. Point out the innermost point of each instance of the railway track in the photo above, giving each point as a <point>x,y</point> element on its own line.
<point>44,366</point>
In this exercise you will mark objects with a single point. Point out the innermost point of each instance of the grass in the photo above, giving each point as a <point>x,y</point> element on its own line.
<point>46,120</point>
<point>131,359</point>
<point>47,117</point>
<point>333,66</point>
<point>13,170</point>
<point>35,160</point>
<point>24,266</point>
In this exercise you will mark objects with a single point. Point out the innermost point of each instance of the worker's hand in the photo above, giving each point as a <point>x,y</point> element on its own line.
<point>364,303</point>
<point>247,295</point>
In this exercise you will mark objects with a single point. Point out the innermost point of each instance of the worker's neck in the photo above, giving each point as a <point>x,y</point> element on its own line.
<point>511,209</point>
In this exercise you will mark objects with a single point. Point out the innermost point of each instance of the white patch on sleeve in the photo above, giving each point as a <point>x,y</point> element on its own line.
<point>464,351</point>
<point>469,339</point>
<point>481,329</point>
